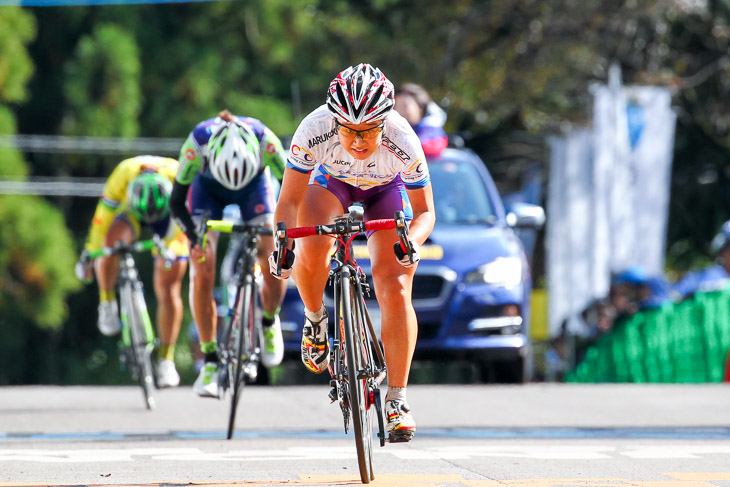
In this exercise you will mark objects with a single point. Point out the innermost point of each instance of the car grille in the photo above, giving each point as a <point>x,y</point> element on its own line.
<point>428,286</point>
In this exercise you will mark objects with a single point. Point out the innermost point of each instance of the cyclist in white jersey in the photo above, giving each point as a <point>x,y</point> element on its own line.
<point>356,148</point>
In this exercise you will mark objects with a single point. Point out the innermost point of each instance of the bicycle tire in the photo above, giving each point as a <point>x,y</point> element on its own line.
<point>374,360</point>
<point>357,386</point>
<point>141,352</point>
<point>242,351</point>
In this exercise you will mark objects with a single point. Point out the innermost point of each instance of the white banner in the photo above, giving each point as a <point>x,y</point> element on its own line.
<point>608,197</point>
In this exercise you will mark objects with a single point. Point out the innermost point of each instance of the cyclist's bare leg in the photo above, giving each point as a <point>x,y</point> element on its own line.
<point>273,289</point>
<point>311,265</point>
<point>168,284</point>
<point>107,268</point>
<point>202,277</point>
<point>393,284</point>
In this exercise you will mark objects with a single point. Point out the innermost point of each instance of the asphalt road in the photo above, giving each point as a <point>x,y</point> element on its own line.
<point>468,435</point>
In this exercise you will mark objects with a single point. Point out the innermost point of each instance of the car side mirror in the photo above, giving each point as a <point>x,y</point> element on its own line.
<point>526,215</point>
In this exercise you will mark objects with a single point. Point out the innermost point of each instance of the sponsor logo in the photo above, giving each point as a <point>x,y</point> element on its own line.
<point>340,162</point>
<point>397,151</point>
<point>372,164</point>
<point>322,138</point>
<point>270,148</point>
<point>190,154</point>
<point>297,151</point>
<point>416,168</point>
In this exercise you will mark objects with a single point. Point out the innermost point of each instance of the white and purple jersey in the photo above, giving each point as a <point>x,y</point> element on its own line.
<point>316,145</point>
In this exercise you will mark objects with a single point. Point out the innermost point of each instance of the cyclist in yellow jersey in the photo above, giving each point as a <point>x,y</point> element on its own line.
<point>136,196</point>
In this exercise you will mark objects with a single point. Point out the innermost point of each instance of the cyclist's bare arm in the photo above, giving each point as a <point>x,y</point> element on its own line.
<point>424,214</point>
<point>293,189</point>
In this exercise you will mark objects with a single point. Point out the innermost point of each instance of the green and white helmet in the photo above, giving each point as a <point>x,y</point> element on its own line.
<point>233,155</point>
<point>148,196</point>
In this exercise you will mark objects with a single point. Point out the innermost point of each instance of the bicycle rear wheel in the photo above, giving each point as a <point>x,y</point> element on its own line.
<point>241,349</point>
<point>135,314</point>
<point>357,379</point>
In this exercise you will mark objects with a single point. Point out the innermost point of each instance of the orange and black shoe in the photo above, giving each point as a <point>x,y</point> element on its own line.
<point>315,344</point>
<point>401,425</point>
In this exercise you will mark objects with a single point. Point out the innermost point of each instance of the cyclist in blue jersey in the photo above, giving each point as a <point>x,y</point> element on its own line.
<point>226,160</point>
<point>356,148</point>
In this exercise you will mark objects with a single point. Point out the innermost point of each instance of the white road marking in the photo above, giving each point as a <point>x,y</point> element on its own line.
<point>87,455</point>
<point>675,451</point>
<point>466,452</point>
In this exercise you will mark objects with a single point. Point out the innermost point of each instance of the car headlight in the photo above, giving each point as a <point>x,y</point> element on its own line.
<point>502,271</point>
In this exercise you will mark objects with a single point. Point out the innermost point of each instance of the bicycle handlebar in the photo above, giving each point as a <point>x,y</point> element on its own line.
<point>139,246</point>
<point>226,226</point>
<point>344,227</point>
<point>341,228</point>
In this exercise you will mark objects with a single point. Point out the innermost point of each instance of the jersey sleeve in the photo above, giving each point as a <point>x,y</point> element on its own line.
<point>190,161</point>
<point>169,169</point>
<point>103,217</point>
<point>300,158</point>
<point>415,173</point>
<point>112,197</point>
<point>273,155</point>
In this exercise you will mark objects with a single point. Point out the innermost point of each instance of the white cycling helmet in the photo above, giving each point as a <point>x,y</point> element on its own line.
<point>360,95</point>
<point>233,154</point>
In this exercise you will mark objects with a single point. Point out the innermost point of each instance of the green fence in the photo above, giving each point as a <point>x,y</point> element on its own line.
<point>682,342</point>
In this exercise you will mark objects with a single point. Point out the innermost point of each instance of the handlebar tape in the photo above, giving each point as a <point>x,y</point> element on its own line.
<point>299,232</point>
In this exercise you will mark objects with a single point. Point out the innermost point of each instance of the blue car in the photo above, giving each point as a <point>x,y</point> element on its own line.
<point>472,288</point>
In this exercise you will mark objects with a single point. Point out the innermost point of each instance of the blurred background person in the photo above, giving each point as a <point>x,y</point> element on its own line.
<point>414,103</point>
<point>713,278</point>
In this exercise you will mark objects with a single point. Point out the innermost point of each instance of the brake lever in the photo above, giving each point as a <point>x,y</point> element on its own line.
<point>162,249</point>
<point>401,228</point>
<point>281,243</point>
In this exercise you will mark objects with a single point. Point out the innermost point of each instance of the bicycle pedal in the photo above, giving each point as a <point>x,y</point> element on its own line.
<point>400,436</point>
<point>332,395</point>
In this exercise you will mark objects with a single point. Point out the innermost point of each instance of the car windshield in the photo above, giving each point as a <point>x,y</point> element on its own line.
<point>460,194</point>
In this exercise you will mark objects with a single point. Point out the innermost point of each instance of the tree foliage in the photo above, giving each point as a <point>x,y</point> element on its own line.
<point>36,261</point>
<point>36,248</point>
<point>17,29</point>
<point>102,85</point>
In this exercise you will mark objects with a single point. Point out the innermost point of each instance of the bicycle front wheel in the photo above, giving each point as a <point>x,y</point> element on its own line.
<point>357,379</point>
<point>134,313</point>
<point>241,353</point>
